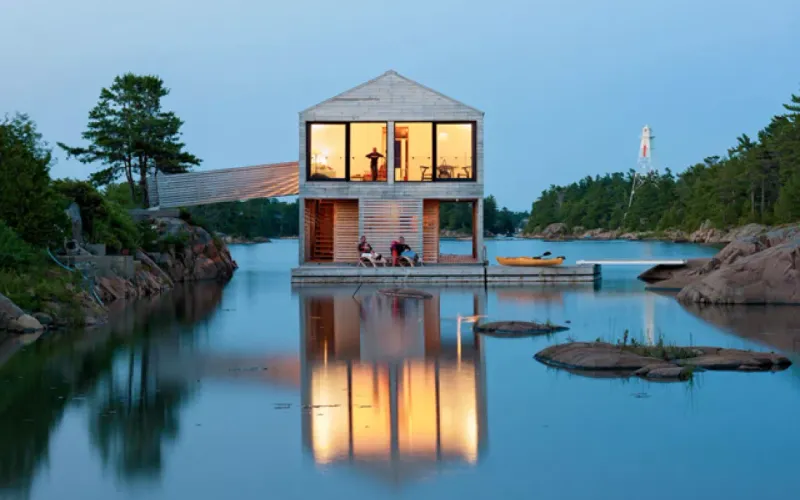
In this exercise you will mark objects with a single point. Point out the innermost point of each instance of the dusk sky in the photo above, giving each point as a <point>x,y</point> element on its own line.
<point>566,85</point>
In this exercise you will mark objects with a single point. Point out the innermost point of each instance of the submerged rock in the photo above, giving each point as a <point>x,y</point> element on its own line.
<point>517,328</point>
<point>656,362</point>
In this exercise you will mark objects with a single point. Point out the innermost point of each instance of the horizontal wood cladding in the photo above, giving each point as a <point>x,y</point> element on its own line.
<point>383,221</point>
<point>309,227</point>
<point>391,97</point>
<point>345,231</point>
<point>231,184</point>
<point>430,231</point>
<point>398,190</point>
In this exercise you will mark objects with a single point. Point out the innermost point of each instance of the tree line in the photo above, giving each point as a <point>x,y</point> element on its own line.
<point>757,180</point>
<point>457,216</point>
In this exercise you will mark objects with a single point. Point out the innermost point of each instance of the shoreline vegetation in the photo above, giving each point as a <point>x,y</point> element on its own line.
<point>757,181</point>
<point>69,248</point>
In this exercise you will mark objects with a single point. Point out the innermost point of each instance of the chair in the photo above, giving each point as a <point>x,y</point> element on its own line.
<point>370,260</point>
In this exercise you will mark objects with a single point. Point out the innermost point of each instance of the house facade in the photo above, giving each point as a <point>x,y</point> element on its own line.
<point>378,160</point>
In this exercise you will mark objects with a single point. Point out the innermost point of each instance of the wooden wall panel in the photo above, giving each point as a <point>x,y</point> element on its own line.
<point>309,226</point>
<point>345,231</point>
<point>230,184</point>
<point>430,231</point>
<point>384,221</point>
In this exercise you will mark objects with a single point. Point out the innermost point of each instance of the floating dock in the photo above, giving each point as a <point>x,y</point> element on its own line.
<point>442,274</point>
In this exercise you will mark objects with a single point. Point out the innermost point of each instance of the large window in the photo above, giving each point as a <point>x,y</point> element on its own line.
<point>368,155</point>
<point>327,151</point>
<point>413,152</point>
<point>455,151</point>
<point>422,152</point>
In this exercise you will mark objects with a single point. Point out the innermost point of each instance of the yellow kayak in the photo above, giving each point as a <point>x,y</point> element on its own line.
<point>529,261</point>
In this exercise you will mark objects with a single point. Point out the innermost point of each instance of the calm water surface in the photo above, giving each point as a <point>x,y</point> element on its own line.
<point>259,390</point>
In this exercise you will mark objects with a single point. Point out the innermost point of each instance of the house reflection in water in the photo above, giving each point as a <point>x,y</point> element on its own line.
<point>390,382</point>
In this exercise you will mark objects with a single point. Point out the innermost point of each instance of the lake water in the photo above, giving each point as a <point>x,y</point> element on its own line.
<point>259,390</point>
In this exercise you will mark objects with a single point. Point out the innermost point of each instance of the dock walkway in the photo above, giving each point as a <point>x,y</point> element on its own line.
<point>445,274</point>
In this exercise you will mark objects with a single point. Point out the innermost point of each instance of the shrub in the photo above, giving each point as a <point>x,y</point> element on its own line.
<point>121,194</point>
<point>28,204</point>
<point>104,221</point>
<point>14,251</point>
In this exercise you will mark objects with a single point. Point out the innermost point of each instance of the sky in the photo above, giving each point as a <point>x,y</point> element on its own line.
<point>566,85</point>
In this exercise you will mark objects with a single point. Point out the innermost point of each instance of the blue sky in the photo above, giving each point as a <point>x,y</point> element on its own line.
<point>566,85</point>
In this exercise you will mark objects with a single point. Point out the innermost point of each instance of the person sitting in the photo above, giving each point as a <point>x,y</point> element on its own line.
<point>400,249</point>
<point>365,250</point>
<point>363,246</point>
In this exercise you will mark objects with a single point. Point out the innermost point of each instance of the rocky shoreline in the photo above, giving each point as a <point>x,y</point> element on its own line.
<point>705,234</point>
<point>188,254</point>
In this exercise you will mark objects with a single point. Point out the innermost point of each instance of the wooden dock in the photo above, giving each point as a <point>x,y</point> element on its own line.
<point>445,274</point>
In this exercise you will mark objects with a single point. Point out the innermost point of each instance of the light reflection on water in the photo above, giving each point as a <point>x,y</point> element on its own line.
<point>267,391</point>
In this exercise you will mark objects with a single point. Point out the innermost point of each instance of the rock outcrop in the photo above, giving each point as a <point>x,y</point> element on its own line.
<point>656,362</point>
<point>749,272</point>
<point>193,254</point>
<point>190,254</point>
<point>14,319</point>
<point>557,231</point>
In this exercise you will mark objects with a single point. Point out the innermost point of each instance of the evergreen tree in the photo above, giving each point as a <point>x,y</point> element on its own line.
<point>132,136</point>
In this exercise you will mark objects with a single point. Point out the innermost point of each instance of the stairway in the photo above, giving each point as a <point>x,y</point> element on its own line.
<point>323,233</point>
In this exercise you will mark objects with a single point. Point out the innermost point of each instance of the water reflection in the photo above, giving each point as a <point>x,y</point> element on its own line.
<point>389,384</point>
<point>133,412</point>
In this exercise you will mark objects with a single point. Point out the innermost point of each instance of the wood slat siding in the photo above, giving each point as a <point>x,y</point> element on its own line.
<point>231,184</point>
<point>391,97</point>
<point>309,227</point>
<point>345,231</point>
<point>430,231</point>
<point>383,221</point>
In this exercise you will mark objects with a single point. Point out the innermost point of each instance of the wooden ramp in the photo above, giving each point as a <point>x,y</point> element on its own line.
<point>230,184</point>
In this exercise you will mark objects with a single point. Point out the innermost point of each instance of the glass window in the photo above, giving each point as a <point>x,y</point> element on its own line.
<point>454,152</point>
<point>326,152</point>
<point>413,152</point>
<point>368,154</point>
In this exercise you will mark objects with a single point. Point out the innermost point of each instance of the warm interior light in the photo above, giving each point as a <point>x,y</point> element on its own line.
<point>442,136</point>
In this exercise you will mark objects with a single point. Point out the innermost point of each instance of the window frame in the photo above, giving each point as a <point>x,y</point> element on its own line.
<point>346,151</point>
<point>434,148</point>
<point>349,156</point>
<point>474,126</point>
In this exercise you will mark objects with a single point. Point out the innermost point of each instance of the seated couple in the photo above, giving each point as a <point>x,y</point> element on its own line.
<point>399,249</point>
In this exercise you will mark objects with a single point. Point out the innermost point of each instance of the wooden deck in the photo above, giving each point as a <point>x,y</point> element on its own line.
<point>445,274</point>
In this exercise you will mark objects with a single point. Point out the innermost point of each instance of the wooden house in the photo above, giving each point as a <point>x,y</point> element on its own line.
<point>378,160</point>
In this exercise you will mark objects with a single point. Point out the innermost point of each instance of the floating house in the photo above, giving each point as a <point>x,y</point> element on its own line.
<point>378,160</point>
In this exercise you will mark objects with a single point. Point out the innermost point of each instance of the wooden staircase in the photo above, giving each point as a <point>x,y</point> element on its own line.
<point>322,249</point>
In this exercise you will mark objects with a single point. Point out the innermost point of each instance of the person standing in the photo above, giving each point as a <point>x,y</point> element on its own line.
<point>373,162</point>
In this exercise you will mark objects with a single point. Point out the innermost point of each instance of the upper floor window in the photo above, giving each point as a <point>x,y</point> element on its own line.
<point>327,151</point>
<point>455,151</point>
<point>413,152</point>
<point>368,155</point>
<point>422,151</point>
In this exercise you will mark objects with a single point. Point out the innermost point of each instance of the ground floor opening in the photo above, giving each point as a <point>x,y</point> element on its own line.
<point>332,229</point>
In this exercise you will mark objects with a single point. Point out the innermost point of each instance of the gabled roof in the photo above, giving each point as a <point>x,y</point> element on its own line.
<point>353,93</point>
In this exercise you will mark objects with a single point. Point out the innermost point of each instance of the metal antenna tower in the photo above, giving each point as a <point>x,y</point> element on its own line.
<point>645,163</point>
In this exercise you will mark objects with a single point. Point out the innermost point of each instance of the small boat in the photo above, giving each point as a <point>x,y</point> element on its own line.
<point>530,261</point>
